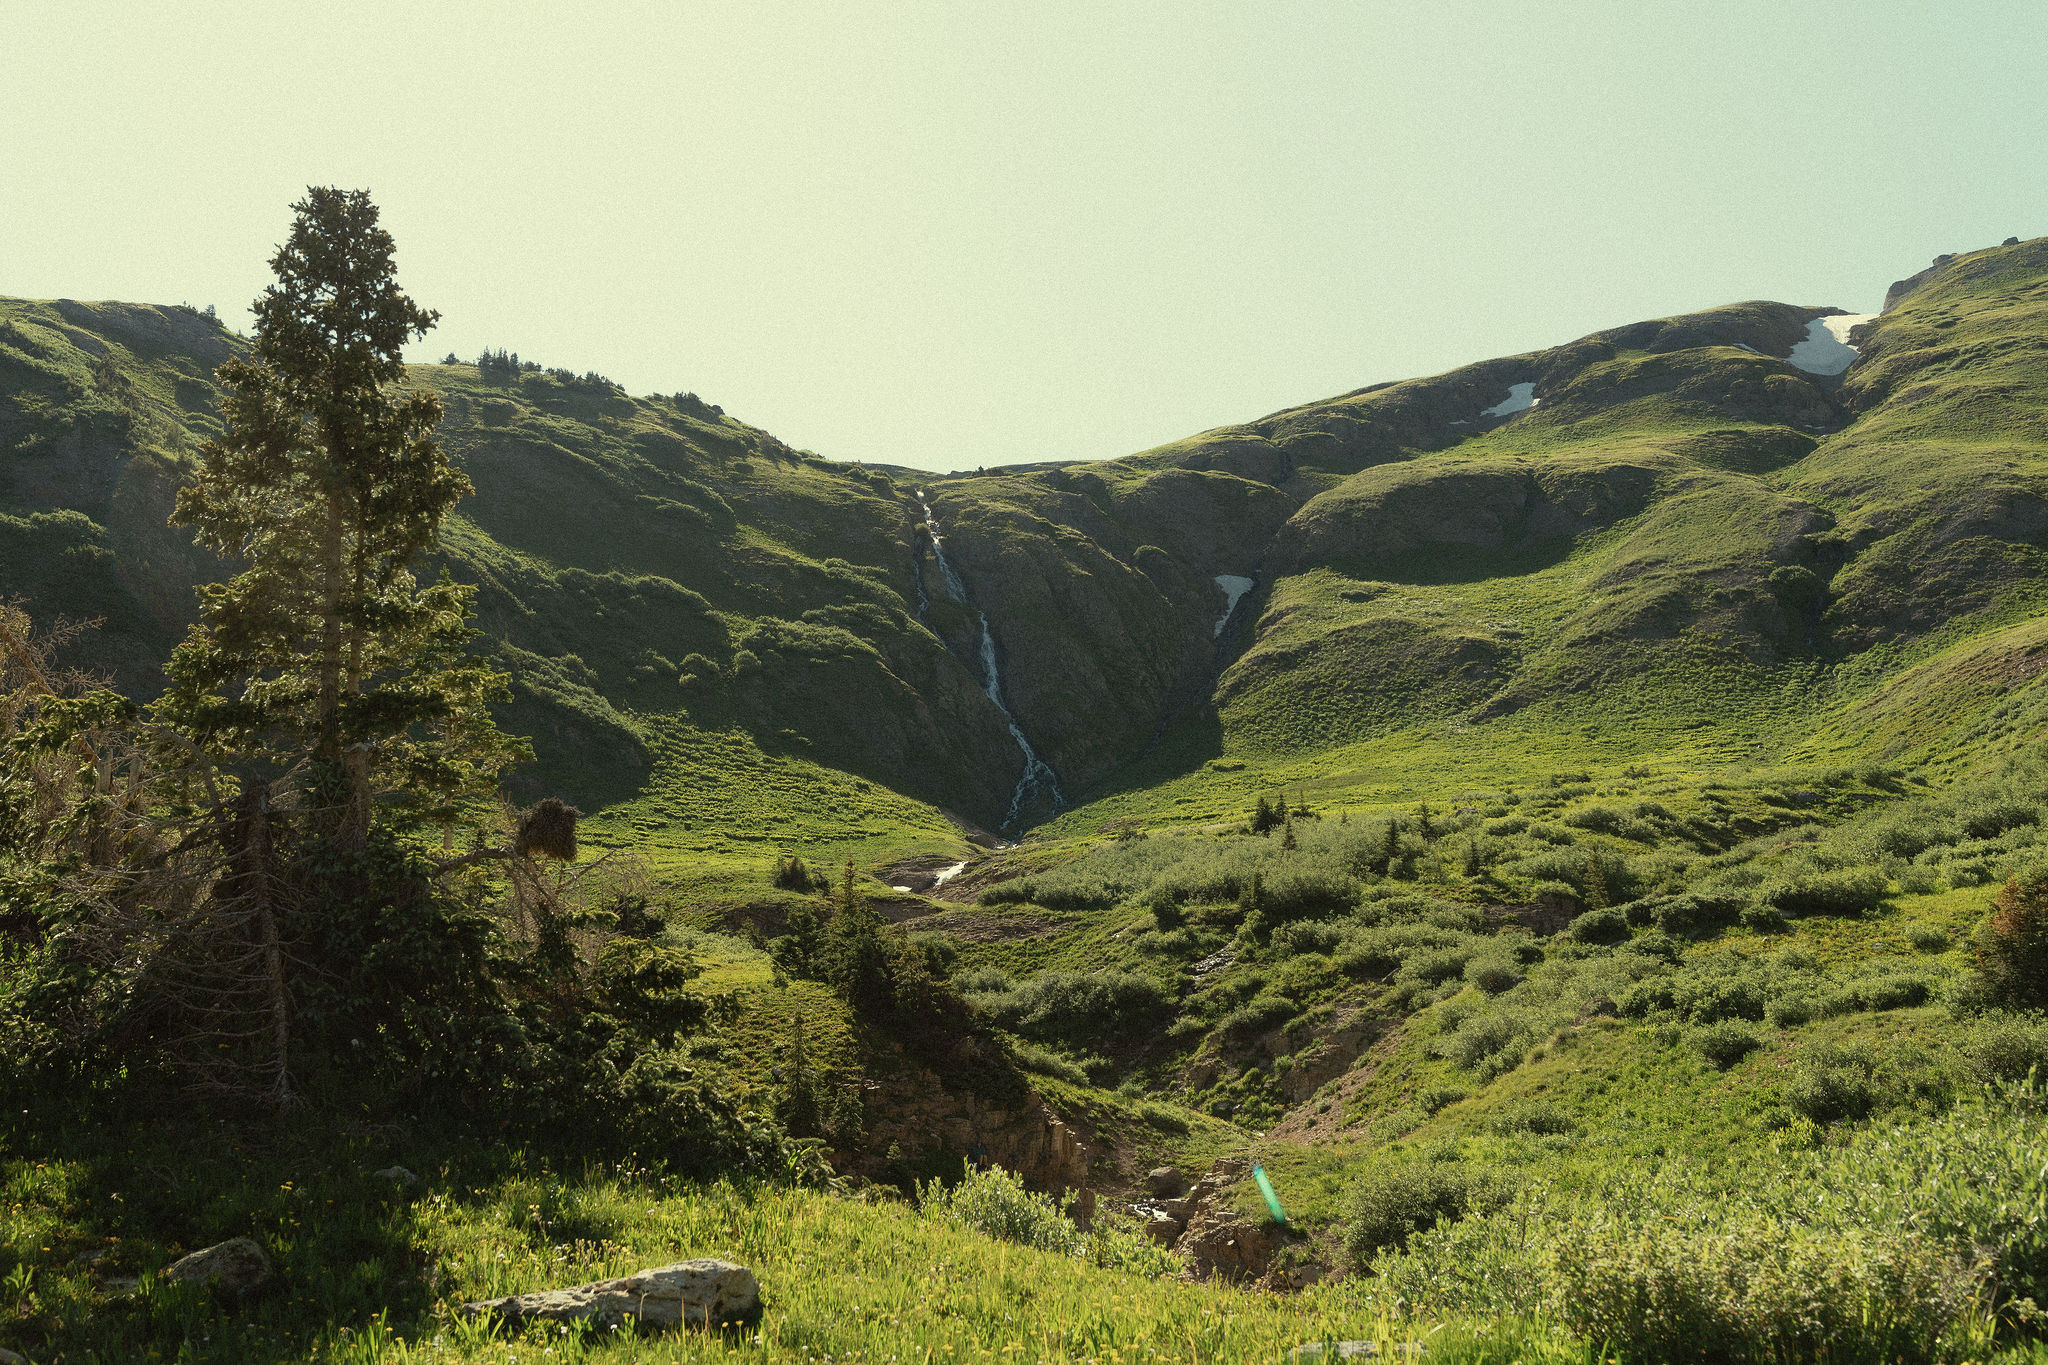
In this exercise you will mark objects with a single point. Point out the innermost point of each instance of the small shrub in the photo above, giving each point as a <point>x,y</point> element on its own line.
<point>1791,1011</point>
<point>1540,1117</point>
<point>1834,1084</point>
<point>1726,1043</point>
<point>1046,1063</point>
<point>1764,919</point>
<point>1392,1204</point>
<point>1439,1097</point>
<point>1600,926</point>
<point>2009,1049</point>
<point>1845,891</point>
<point>995,1203</point>
<point>792,874</point>
<point>1927,938</point>
<point>1493,975</point>
<point>1891,991</point>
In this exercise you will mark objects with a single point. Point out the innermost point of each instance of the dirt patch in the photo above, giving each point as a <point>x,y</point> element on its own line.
<point>1327,1115</point>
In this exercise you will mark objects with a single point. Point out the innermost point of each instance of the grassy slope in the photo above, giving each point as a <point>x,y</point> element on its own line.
<point>1593,580</point>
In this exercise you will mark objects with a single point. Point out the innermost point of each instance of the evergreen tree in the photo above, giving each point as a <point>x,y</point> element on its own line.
<point>855,960</point>
<point>1423,824</point>
<point>2012,951</point>
<point>1596,883</point>
<point>1288,843</point>
<point>800,950</point>
<point>326,487</point>
<point>1263,816</point>
<point>1390,848</point>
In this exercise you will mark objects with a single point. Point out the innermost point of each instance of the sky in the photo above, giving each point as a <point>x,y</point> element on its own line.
<point>958,235</point>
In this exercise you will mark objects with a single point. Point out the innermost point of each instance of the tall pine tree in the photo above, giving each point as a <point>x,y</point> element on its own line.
<point>327,487</point>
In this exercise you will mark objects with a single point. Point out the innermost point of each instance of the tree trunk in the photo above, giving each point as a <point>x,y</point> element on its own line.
<point>327,740</point>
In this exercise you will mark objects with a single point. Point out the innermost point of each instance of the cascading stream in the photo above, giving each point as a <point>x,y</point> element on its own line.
<point>1039,780</point>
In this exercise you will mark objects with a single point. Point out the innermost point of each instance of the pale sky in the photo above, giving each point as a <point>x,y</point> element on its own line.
<point>951,235</point>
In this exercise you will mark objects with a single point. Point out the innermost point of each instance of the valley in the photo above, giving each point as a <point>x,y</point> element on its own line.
<point>1548,814</point>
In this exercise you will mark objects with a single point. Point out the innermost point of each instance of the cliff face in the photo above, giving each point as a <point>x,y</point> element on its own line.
<point>1670,495</point>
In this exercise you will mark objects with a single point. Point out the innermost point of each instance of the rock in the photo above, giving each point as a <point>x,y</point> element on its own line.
<point>697,1293</point>
<point>2010,241</point>
<point>1180,1210</point>
<point>398,1175</point>
<point>1082,1210</point>
<point>1164,1231</point>
<point>1166,1183</point>
<point>236,1266</point>
<point>1335,1350</point>
<point>8,1357</point>
<point>1226,1248</point>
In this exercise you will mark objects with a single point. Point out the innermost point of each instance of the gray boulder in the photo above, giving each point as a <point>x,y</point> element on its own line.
<point>1335,1350</point>
<point>236,1266</point>
<point>694,1293</point>
<point>8,1357</point>
<point>1166,1183</point>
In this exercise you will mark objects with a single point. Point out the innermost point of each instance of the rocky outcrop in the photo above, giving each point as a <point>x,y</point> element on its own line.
<point>237,1266</point>
<point>700,1293</point>
<point>921,1118</point>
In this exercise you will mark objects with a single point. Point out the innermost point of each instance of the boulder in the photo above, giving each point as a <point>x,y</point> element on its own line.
<point>397,1175</point>
<point>1226,1248</point>
<point>236,1266</point>
<point>693,1293</point>
<point>1335,1350</point>
<point>1166,1183</point>
<point>1164,1230</point>
<point>8,1357</point>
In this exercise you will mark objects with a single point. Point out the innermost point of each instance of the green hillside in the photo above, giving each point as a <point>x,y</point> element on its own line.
<point>1567,868</point>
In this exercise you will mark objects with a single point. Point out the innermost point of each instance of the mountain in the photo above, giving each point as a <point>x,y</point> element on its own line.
<point>1672,519</point>
<point>1555,815</point>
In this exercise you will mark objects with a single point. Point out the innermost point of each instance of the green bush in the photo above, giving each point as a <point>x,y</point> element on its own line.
<point>1046,1063</point>
<point>1889,991</point>
<point>1071,1006</point>
<point>1790,1011</point>
<point>2008,1048</point>
<point>1764,919</point>
<point>1833,1085</point>
<point>1493,974</point>
<point>1927,938</point>
<point>995,1203</point>
<point>1390,1205</point>
<point>1600,926</point>
<point>1843,891</point>
<point>1544,1118</point>
<point>1726,1043</point>
<point>1909,1244</point>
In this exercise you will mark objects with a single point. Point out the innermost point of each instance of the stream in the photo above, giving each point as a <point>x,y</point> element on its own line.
<point>1038,780</point>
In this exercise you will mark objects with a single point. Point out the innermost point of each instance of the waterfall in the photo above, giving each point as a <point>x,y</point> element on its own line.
<point>1039,780</point>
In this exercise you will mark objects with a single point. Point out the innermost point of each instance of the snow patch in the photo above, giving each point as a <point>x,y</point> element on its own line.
<point>1234,586</point>
<point>1826,349</point>
<point>948,874</point>
<point>1521,397</point>
<point>1745,346</point>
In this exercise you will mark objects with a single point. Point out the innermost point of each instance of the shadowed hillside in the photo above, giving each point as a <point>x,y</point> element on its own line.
<point>1671,509</point>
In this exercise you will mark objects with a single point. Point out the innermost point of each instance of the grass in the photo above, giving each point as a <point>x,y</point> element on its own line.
<point>368,1271</point>
<point>1694,637</point>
